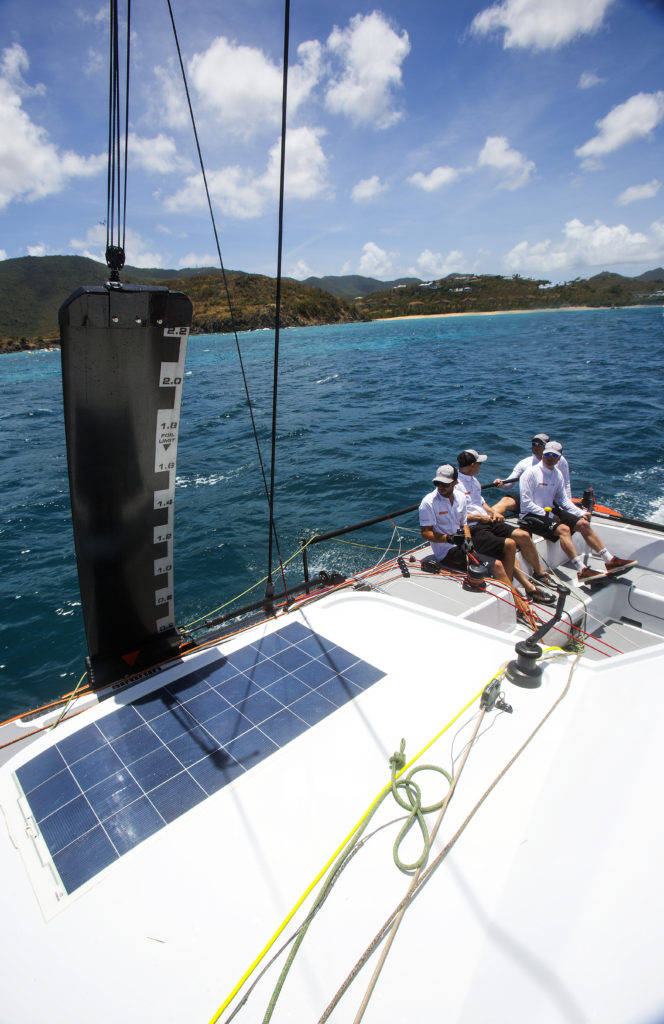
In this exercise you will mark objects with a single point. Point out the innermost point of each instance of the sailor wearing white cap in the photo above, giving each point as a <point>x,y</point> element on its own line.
<point>444,521</point>
<point>542,487</point>
<point>510,502</point>
<point>493,536</point>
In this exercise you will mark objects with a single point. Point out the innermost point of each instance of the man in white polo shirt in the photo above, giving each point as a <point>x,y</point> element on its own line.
<point>443,514</point>
<point>542,487</point>
<point>510,502</point>
<point>493,536</point>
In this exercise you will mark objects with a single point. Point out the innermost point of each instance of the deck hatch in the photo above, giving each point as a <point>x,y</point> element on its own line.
<point>101,791</point>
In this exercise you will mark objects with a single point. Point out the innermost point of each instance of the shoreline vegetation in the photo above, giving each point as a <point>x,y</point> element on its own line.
<point>9,345</point>
<point>33,288</point>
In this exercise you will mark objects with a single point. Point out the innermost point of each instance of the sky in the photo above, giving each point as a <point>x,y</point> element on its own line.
<point>424,137</point>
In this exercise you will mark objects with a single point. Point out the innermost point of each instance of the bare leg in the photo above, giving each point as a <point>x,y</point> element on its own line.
<point>566,543</point>
<point>584,528</point>
<point>526,546</point>
<point>522,605</point>
<point>509,557</point>
<point>505,504</point>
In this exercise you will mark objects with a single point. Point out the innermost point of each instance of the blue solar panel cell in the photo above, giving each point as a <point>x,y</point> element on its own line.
<point>134,823</point>
<point>83,742</point>
<point>136,743</point>
<point>216,771</point>
<point>176,796</point>
<point>52,794</point>
<point>113,794</point>
<point>109,786</point>
<point>67,823</point>
<point>41,768</point>
<point>96,767</point>
<point>120,722</point>
<point>84,858</point>
<point>284,727</point>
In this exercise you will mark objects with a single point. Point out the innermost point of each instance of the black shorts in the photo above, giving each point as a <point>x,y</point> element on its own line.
<point>541,525</point>
<point>566,517</point>
<point>489,538</point>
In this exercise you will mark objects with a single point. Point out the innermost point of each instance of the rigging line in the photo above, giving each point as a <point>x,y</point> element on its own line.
<point>112,92</point>
<point>221,264</point>
<point>413,885</point>
<point>280,244</point>
<point>430,870</point>
<point>126,138</point>
<point>116,182</point>
<point>386,789</point>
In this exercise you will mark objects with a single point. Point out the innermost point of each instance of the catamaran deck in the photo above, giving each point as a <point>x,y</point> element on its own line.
<point>171,829</point>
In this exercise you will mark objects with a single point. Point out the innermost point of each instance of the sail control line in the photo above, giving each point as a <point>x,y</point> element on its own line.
<point>123,354</point>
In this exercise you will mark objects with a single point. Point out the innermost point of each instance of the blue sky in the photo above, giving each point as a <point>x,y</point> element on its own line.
<point>424,137</point>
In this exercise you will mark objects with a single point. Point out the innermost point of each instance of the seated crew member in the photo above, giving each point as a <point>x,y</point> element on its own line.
<point>510,502</point>
<point>542,487</point>
<point>563,466</point>
<point>442,515</point>
<point>491,535</point>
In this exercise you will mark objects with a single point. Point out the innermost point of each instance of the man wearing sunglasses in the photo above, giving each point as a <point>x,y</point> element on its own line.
<point>543,490</point>
<point>510,502</point>
<point>493,536</point>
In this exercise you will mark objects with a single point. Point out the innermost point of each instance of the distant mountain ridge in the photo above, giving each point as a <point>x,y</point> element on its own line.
<point>32,289</point>
<point>353,286</point>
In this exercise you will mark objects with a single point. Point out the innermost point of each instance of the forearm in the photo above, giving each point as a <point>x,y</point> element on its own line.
<point>430,534</point>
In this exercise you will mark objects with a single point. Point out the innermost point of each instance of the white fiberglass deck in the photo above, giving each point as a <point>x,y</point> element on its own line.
<point>547,907</point>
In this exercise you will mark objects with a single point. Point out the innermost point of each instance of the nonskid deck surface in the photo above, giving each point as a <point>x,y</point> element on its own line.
<point>602,611</point>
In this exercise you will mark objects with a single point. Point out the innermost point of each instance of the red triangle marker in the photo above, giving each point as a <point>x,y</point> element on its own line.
<point>130,658</point>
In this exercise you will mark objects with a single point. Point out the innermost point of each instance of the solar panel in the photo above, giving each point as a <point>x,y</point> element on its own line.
<point>100,792</point>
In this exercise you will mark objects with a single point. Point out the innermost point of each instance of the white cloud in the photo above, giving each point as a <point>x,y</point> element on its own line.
<point>169,96</point>
<point>540,24</point>
<point>511,166</point>
<point>31,166</point>
<point>192,259</point>
<point>367,189</point>
<point>635,193</point>
<point>434,264</point>
<point>159,154</point>
<point>439,177</point>
<point>37,250</point>
<point>241,194</point>
<point>589,79</point>
<point>591,246</point>
<point>300,271</point>
<point>93,245</point>
<point>306,165</point>
<point>372,54</point>
<point>376,262</point>
<point>242,87</point>
<point>3,254</point>
<point>636,118</point>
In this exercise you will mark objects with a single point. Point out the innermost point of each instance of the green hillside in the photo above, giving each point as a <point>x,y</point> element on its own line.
<point>353,286</point>
<point>33,288</point>
<point>470,293</point>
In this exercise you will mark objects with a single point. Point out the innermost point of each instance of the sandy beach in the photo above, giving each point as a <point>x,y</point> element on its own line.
<point>501,312</point>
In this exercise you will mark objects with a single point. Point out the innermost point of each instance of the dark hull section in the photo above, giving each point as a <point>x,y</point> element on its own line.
<point>123,355</point>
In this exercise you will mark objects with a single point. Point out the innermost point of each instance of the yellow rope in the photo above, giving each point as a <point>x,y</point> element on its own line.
<point>248,590</point>
<point>323,870</point>
<point>72,698</point>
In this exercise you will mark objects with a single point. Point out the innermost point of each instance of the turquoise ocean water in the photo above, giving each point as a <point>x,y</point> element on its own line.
<point>366,414</point>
